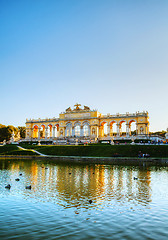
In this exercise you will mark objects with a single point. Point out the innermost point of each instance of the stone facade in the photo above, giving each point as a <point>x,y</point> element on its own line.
<point>86,123</point>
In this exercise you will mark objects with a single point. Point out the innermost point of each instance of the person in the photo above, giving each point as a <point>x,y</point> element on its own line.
<point>140,154</point>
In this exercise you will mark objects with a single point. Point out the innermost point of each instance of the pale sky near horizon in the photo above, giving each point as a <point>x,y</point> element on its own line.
<point>111,55</point>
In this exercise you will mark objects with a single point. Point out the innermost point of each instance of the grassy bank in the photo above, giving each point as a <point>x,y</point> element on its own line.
<point>14,150</point>
<point>101,150</point>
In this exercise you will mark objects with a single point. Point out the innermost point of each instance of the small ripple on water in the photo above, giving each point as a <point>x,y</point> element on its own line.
<point>57,206</point>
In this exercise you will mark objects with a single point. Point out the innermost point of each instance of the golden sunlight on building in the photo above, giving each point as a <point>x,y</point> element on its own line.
<point>83,123</point>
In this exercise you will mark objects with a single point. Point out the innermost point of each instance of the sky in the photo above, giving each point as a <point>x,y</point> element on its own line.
<point>111,55</point>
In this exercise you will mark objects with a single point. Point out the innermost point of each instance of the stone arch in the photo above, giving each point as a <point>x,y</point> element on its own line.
<point>68,130</point>
<point>86,128</point>
<point>77,123</point>
<point>141,130</point>
<point>103,128</point>
<point>49,129</point>
<point>85,122</point>
<point>42,130</point>
<point>35,125</point>
<point>133,126</point>
<point>56,126</point>
<point>77,129</point>
<point>35,131</point>
<point>55,130</point>
<point>113,128</point>
<point>122,124</point>
<point>93,131</point>
<point>132,120</point>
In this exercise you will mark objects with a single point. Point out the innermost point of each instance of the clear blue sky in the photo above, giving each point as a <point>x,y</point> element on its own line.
<point>111,55</point>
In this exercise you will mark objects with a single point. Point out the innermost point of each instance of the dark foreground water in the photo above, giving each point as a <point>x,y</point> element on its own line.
<point>58,207</point>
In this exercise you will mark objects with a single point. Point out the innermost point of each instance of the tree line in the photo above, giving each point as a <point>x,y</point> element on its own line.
<point>6,132</point>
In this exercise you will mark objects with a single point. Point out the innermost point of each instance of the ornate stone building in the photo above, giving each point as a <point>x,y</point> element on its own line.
<point>86,123</point>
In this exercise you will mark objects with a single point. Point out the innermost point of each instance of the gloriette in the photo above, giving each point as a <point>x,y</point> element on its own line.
<point>84,123</point>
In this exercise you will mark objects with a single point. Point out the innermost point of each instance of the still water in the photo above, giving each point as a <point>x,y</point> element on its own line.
<point>58,206</point>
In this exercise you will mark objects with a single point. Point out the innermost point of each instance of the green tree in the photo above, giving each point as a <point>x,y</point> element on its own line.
<point>22,131</point>
<point>6,132</point>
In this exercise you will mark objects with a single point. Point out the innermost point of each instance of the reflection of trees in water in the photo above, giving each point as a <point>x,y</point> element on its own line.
<point>74,185</point>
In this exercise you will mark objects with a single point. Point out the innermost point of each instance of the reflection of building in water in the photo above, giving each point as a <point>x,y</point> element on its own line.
<point>73,186</point>
<point>144,191</point>
<point>78,183</point>
<point>86,123</point>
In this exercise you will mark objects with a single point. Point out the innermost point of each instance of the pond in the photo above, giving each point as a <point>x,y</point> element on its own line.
<point>77,201</point>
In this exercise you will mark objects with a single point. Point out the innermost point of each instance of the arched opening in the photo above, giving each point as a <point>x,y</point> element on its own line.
<point>141,130</point>
<point>103,129</point>
<point>68,132</point>
<point>42,131</point>
<point>122,128</point>
<point>113,128</point>
<point>93,131</point>
<point>56,131</point>
<point>61,133</point>
<point>35,131</point>
<point>86,130</point>
<point>77,130</point>
<point>49,131</point>
<point>132,127</point>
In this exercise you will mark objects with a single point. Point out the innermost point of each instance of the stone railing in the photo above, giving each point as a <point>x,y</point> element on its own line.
<point>137,114</point>
<point>42,120</point>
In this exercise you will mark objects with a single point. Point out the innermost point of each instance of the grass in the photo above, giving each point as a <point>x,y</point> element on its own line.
<point>99,150</point>
<point>102,150</point>
<point>14,150</point>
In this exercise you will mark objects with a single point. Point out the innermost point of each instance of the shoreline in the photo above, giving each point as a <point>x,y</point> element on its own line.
<point>100,160</point>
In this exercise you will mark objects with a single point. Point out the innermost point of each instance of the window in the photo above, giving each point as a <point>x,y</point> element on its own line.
<point>77,130</point>
<point>86,130</point>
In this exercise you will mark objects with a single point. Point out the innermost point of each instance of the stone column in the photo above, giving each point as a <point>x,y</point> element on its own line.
<point>118,130</point>
<point>108,130</point>
<point>31,133</point>
<point>81,131</point>
<point>53,132</point>
<point>66,128</point>
<point>111,130</point>
<point>50,132</point>
<point>89,130</point>
<point>27,135</point>
<point>46,132</point>
<point>127,130</point>
<point>73,131</point>
<point>136,129</point>
<point>39,133</point>
<point>99,131</point>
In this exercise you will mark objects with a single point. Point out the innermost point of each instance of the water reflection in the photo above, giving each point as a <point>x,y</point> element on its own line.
<point>74,185</point>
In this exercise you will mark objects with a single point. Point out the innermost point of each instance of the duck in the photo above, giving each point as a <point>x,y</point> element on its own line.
<point>17,179</point>
<point>28,187</point>
<point>90,201</point>
<point>135,178</point>
<point>8,186</point>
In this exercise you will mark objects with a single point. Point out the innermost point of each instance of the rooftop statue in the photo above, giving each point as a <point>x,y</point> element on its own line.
<point>77,106</point>
<point>86,108</point>
<point>68,109</point>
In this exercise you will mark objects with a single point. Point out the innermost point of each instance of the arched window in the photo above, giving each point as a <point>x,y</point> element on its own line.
<point>141,130</point>
<point>69,130</point>
<point>77,130</point>
<point>86,130</point>
<point>93,131</point>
